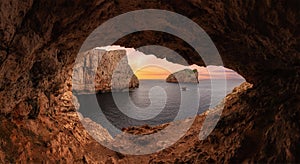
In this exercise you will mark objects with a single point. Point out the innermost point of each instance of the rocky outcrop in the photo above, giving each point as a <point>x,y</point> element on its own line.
<point>99,133</point>
<point>39,41</point>
<point>103,71</point>
<point>183,76</point>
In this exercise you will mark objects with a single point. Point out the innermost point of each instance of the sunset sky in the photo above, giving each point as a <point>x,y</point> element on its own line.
<point>152,72</point>
<point>151,67</point>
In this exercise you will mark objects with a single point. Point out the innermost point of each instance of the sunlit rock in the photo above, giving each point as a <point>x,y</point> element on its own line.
<point>183,76</point>
<point>103,71</point>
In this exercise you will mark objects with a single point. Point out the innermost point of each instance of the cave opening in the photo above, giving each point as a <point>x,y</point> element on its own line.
<point>157,99</point>
<point>257,39</point>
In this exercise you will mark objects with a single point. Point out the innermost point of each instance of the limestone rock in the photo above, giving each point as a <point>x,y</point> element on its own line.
<point>103,71</point>
<point>183,76</point>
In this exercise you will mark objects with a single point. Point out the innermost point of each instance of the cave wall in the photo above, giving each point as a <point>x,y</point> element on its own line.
<point>40,40</point>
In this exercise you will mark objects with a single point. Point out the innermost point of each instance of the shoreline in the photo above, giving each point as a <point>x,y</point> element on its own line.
<point>206,112</point>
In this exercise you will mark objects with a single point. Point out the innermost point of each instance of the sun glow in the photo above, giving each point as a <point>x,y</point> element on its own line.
<point>152,72</point>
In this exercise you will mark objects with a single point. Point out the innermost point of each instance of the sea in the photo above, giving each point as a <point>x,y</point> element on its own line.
<point>154,102</point>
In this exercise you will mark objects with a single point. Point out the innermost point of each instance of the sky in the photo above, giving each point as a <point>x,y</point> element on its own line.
<point>151,67</point>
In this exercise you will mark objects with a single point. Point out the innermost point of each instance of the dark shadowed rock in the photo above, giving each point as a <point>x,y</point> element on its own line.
<point>259,39</point>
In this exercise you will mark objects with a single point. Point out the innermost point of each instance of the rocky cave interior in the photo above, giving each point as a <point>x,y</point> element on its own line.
<point>257,39</point>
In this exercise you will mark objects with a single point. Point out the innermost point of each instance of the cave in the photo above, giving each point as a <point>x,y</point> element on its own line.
<point>257,39</point>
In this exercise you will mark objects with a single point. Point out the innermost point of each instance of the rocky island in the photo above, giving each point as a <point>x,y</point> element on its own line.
<point>98,70</point>
<point>183,76</point>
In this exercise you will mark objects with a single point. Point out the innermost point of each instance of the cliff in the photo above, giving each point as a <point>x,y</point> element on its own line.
<point>103,71</point>
<point>183,76</point>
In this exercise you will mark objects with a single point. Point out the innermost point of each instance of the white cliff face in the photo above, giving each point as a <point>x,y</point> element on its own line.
<point>103,71</point>
<point>183,76</point>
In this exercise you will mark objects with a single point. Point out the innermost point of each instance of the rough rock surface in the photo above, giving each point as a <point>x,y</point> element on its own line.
<point>102,71</point>
<point>183,76</point>
<point>99,133</point>
<point>259,39</point>
<point>189,149</point>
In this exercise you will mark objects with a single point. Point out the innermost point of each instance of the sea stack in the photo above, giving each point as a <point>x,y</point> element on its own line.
<point>98,70</point>
<point>183,76</point>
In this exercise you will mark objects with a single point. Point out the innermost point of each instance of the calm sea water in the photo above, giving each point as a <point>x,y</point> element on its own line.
<point>154,102</point>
